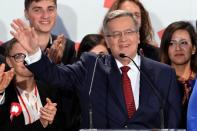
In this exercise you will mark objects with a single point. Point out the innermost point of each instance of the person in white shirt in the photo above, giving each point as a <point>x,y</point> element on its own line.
<point>21,101</point>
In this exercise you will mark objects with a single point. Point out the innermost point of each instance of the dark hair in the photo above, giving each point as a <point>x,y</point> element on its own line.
<point>166,38</point>
<point>146,31</point>
<point>88,42</point>
<point>9,46</point>
<point>28,3</point>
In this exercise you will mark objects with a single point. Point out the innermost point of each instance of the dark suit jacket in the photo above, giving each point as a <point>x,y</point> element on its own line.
<point>106,98</point>
<point>18,123</point>
<point>149,51</point>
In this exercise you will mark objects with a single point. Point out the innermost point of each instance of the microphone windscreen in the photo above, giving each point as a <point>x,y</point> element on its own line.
<point>122,55</point>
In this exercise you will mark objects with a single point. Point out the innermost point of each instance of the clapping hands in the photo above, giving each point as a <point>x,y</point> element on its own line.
<point>5,77</point>
<point>47,113</point>
<point>56,51</point>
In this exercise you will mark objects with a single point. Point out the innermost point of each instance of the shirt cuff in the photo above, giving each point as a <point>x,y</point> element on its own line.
<point>2,99</point>
<point>33,58</point>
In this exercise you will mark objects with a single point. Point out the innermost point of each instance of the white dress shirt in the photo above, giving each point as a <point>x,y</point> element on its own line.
<point>2,98</point>
<point>32,102</point>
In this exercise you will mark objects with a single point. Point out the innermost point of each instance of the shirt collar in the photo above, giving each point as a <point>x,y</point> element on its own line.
<point>136,59</point>
<point>23,92</point>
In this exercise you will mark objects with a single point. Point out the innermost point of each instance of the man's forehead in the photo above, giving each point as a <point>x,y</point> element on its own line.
<point>126,20</point>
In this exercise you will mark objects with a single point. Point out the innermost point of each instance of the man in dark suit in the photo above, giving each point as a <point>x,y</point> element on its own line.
<point>100,80</point>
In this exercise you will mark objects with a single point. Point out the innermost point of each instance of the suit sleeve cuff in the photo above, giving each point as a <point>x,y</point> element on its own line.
<point>33,58</point>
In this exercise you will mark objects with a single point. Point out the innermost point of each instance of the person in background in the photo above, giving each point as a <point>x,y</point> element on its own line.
<point>178,49</point>
<point>147,46</point>
<point>110,97</point>
<point>92,43</point>
<point>26,103</point>
<point>42,15</point>
<point>192,112</point>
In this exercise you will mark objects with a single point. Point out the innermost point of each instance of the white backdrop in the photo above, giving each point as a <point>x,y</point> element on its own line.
<point>77,18</point>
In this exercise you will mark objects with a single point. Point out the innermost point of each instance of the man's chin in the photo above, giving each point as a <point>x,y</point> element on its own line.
<point>45,30</point>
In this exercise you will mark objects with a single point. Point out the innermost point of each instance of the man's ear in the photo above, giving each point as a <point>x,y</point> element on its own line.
<point>9,62</point>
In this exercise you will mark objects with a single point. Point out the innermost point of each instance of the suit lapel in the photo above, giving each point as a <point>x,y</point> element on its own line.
<point>145,89</point>
<point>116,86</point>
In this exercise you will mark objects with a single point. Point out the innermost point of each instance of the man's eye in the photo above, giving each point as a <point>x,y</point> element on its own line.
<point>37,10</point>
<point>116,34</point>
<point>52,9</point>
<point>129,32</point>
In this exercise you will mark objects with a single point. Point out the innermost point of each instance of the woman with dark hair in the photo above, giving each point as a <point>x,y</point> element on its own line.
<point>146,32</point>
<point>92,43</point>
<point>178,49</point>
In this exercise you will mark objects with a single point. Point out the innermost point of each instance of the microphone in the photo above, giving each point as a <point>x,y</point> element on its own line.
<point>90,90</point>
<point>94,70</point>
<point>153,88</point>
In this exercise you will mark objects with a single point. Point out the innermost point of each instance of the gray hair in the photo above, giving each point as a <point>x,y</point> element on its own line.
<point>116,14</point>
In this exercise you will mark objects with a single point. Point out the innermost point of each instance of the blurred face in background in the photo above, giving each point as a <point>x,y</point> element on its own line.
<point>42,15</point>
<point>180,49</point>
<point>133,8</point>
<point>100,48</point>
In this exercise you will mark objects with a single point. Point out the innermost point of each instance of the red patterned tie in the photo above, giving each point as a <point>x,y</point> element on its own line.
<point>128,93</point>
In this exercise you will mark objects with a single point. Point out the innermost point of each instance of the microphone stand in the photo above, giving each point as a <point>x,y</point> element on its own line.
<point>90,90</point>
<point>155,91</point>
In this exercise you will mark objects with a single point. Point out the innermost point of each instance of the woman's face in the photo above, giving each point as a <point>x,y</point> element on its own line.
<point>19,67</point>
<point>99,49</point>
<point>181,48</point>
<point>133,8</point>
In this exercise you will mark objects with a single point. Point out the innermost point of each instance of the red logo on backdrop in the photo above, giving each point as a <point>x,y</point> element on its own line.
<point>160,33</point>
<point>108,3</point>
<point>77,44</point>
<point>15,110</point>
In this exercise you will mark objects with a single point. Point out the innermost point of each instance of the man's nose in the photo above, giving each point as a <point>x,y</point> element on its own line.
<point>123,37</point>
<point>45,14</point>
